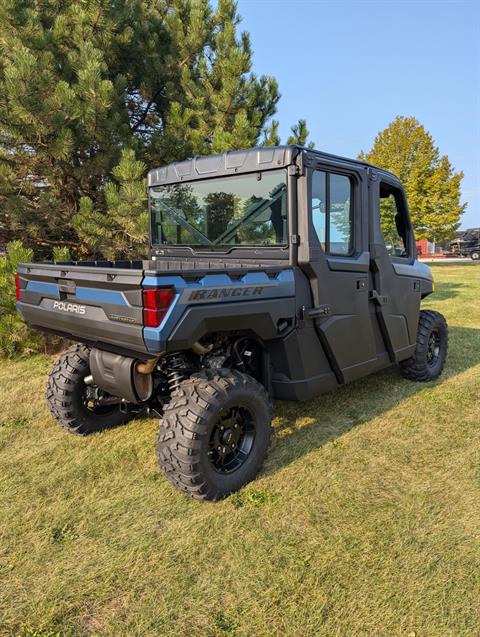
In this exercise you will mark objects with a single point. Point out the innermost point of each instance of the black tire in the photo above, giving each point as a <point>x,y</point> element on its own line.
<point>431,351</point>
<point>475,255</point>
<point>66,396</point>
<point>210,409</point>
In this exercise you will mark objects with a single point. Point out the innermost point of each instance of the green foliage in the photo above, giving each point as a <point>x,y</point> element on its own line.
<point>218,104</point>
<point>433,188</point>
<point>62,114</point>
<point>15,337</point>
<point>388,211</point>
<point>271,135</point>
<point>300,134</point>
<point>80,82</point>
<point>253,497</point>
<point>16,253</point>
<point>61,253</point>
<point>19,422</point>
<point>121,232</point>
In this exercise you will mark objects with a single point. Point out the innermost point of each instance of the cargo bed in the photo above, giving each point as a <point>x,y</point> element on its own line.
<point>100,302</point>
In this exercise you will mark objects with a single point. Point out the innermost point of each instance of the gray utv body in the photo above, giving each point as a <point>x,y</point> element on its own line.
<point>272,262</point>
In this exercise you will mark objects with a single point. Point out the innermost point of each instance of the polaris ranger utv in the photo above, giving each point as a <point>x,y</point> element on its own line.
<point>276,272</point>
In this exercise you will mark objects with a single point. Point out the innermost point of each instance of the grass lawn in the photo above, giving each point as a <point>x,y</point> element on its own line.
<point>365,521</point>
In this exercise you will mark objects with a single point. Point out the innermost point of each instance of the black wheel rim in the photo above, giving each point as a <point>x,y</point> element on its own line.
<point>231,440</point>
<point>433,348</point>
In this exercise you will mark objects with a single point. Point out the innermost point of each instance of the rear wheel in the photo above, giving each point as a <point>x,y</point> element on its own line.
<point>76,406</point>
<point>431,350</point>
<point>475,255</point>
<point>214,434</point>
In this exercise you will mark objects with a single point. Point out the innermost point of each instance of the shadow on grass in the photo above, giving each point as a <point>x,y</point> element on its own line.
<point>448,291</point>
<point>302,427</point>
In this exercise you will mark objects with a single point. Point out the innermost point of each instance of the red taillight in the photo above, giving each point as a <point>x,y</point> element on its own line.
<point>156,302</point>
<point>17,288</point>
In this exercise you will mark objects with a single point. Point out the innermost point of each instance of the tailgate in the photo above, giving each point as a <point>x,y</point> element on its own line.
<point>87,303</point>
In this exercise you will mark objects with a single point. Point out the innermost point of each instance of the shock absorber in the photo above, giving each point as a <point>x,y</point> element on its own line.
<point>174,373</point>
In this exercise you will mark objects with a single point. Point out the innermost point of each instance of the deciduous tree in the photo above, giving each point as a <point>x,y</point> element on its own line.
<point>431,184</point>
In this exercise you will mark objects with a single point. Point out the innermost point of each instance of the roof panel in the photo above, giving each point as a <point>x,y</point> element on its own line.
<point>239,161</point>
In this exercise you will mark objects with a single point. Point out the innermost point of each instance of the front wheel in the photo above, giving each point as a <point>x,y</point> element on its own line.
<point>214,434</point>
<point>76,406</point>
<point>475,255</point>
<point>430,353</point>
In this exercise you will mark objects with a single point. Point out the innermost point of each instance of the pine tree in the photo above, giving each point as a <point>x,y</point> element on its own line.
<point>121,232</point>
<point>15,336</point>
<point>271,136</point>
<point>300,134</point>
<point>74,78</point>
<point>212,102</point>
<point>215,102</point>
<point>432,187</point>
<point>80,82</point>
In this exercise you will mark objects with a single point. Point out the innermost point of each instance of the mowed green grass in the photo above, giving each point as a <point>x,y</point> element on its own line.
<point>365,521</point>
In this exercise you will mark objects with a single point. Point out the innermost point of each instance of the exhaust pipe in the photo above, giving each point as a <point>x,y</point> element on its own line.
<point>147,367</point>
<point>200,349</point>
<point>120,375</point>
<point>128,378</point>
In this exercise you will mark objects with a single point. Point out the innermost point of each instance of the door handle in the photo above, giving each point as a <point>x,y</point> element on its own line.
<point>316,312</point>
<point>381,299</point>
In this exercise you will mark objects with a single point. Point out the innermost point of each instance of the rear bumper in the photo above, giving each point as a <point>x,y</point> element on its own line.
<point>94,326</point>
<point>87,303</point>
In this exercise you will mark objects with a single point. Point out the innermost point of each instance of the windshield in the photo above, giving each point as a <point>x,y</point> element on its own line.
<point>239,210</point>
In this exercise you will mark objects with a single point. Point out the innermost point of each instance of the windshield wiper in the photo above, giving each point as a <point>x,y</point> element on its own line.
<point>253,212</point>
<point>182,222</point>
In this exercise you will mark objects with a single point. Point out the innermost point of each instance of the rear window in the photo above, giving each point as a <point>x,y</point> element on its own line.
<point>239,210</point>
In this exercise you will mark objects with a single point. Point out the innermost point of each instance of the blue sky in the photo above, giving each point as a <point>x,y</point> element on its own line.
<point>350,67</point>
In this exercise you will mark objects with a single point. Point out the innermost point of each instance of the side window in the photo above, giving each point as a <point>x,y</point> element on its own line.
<point>332,212</point>
<point>340,215</point>
<point>393,221</point>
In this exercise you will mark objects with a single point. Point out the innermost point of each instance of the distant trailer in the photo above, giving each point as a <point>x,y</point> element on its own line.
<point>425,248</point>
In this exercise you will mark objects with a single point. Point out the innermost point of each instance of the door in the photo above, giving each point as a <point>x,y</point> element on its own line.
<point>396,289</point>
<point>333,253</point>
